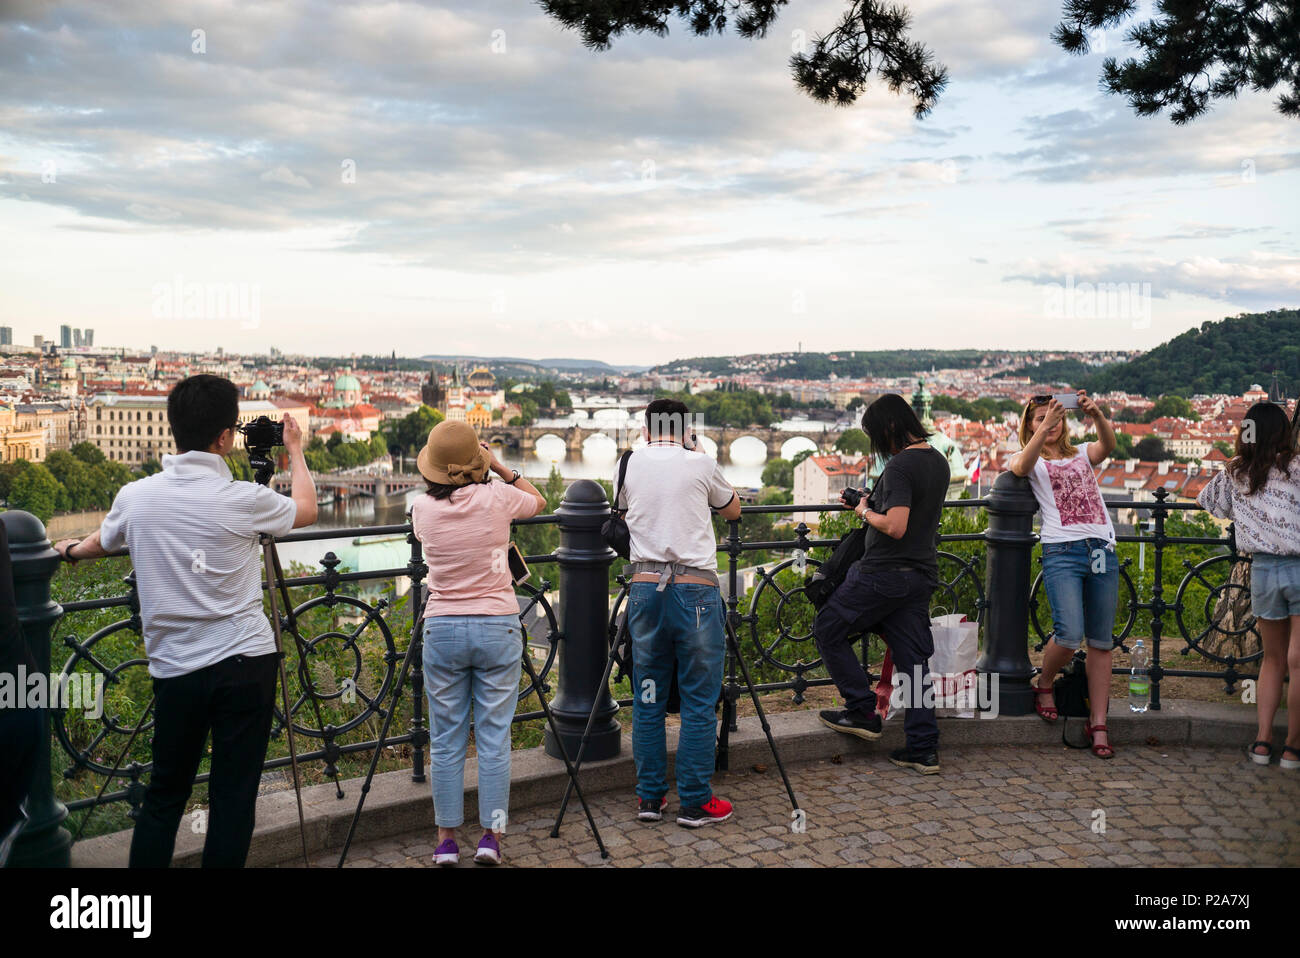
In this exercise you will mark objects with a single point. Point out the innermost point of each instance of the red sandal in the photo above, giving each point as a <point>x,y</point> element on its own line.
<point>1101,751</point>
<point>1048,713</point>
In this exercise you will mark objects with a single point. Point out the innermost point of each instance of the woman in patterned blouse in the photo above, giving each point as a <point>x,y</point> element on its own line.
<point>1260,491</point>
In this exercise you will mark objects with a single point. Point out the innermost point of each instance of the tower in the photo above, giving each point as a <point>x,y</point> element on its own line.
<point>432,393</point>
<point>921,402</point>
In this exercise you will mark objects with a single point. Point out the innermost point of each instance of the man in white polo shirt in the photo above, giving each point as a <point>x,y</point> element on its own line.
<point>193,532</point>
<point>675,612</point>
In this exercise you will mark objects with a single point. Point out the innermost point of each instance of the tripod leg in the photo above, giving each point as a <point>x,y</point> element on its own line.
<point>293,760</point>
<point>379,745</point>
<point>303,677</point>
<point>268,555</point>
<point>586,736</point>
<point>125,748</point>
<point>762,716</point>
<point>568,766</point>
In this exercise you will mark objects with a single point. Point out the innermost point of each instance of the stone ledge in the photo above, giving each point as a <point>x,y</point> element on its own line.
<point>396,805</point>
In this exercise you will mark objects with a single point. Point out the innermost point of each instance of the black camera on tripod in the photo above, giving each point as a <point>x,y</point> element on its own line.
<point>260,437</point>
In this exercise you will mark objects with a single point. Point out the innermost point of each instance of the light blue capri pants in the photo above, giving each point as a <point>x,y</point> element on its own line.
<point>471,660</point>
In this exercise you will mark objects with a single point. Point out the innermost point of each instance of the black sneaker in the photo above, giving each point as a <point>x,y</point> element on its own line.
<point>710,813</point>
<point>927,763</point>
<point>649,810</point>
<point>852,723</point>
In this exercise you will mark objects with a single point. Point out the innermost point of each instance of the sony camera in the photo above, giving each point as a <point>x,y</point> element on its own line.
<point>260,437</point>
<point>262,434</point>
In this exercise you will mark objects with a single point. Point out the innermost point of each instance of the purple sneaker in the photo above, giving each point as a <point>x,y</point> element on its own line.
<point>489,852</point>
<point>447,853</point>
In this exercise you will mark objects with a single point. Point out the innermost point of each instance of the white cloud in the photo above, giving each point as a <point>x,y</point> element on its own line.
<point>282,174</point>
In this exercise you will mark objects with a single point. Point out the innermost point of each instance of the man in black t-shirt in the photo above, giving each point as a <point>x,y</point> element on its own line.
<point>888,590</point>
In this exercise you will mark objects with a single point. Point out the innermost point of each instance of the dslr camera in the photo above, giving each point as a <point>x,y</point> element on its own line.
<point>262,434</point>
<point>260,437</point>
<point>851,496</point>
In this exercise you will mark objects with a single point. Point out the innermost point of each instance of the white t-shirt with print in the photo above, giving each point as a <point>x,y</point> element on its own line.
<point>1069,500</point>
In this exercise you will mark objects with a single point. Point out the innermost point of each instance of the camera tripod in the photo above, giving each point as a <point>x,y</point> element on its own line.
<point>259,457</point>
<point>414,653</point>
<point>623,638</point>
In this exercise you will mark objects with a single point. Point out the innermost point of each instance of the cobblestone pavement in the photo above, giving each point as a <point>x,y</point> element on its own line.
<point>989,806</point>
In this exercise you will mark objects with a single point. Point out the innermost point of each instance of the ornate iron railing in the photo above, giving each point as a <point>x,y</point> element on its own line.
<point>353,662</point>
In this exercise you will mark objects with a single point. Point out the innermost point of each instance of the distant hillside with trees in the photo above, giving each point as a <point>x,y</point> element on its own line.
<point>1062,372</point>
<point>1228,356</point>
<point>846,364</point>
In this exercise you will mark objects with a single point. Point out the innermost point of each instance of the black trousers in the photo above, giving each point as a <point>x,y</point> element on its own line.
<point>20,738</point>
<point>232,699</point>
<point>895,605</point>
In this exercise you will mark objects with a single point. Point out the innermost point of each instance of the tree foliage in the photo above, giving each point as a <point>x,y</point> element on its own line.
<point>870,38</point>
<point>1193,52</point>
<point>1151,449</point>
<point>779,472</point>
<point>1228,356</point>
<point>853,440</point>
<point>34,489</point>
<point>979,410</point>
<point>412,430</point>
<point>1175,407</point>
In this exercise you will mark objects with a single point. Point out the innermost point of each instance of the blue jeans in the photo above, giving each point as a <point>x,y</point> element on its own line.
<point>1082,582</point>
<point>1274,586</point>
<point>683,623</point>
<point>471,659</point>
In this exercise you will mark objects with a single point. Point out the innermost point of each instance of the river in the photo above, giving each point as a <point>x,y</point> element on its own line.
<point>743,468</point>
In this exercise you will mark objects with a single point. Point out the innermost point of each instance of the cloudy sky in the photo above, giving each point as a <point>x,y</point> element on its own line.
<point>467,177</point>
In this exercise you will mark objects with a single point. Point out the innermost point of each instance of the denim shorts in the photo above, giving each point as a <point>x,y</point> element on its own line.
<point>1082,582</point>
<point>1274,586</point>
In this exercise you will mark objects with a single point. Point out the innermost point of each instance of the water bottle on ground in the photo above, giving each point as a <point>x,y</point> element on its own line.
<point>1139,680</point>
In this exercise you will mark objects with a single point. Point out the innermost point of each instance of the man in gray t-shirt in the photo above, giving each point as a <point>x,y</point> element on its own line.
<point>675,613</point>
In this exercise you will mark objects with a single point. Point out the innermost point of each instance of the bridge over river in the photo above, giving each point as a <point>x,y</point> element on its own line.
<point>573,437</point>
<point>378,487</point>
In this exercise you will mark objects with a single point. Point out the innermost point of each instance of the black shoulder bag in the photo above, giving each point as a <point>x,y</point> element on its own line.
<point>614,530</point>
<point>821,585</point>
<point>1071,693</point>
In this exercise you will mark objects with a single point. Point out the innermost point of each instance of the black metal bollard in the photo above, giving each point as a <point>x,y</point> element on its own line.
<point>1009,545</point>
<point>43,842</point>
<point>584,560</point>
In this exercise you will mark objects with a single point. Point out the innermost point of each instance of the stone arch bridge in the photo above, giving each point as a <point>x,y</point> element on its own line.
<point>525,437</point>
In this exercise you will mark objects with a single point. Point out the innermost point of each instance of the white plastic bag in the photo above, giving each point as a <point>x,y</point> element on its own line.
<point>952,666</point>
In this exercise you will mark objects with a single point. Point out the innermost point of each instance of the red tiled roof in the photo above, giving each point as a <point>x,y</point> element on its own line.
<point>834,466</point>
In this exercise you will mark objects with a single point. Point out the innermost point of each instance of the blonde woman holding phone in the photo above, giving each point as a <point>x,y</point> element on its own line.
<point>1080,569</point>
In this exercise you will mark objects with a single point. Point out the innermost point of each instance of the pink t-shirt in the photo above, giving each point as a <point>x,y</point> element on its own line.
<point>465,538</point>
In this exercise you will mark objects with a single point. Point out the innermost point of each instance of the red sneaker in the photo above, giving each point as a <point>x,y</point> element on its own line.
<point>710,813</point>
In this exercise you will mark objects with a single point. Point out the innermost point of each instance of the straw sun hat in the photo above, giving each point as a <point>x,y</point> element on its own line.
<point>452,456</point>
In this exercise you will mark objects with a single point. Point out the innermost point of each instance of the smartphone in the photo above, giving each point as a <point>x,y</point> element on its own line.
<point>518,567</point>
<point>1068,400</point>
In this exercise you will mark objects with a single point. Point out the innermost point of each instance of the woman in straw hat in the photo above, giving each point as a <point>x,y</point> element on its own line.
<point>473,646</point>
